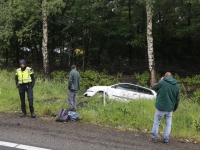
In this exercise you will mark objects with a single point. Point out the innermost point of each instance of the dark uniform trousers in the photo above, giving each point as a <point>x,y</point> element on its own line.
<point>29,90</point>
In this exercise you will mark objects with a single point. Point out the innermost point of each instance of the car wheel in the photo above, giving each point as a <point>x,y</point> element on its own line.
<point>100,94</point>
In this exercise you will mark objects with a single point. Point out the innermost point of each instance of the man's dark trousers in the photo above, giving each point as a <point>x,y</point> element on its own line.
<point>29,90</point>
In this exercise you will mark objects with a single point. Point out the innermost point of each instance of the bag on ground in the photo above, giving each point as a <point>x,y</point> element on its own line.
<point>73,115</point>
<point>62,115</point>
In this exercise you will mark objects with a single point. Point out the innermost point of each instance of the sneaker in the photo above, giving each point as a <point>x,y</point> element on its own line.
<point>33,115</point>
<point>165,142</point>
<point>22,114</point>
<point>152,140</point>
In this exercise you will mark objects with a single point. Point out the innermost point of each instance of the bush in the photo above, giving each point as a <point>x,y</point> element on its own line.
<point>143,78</point>
<point>89,78</point>
<point>59,75</point>
<point>191,83</point>
<point>196,97</point>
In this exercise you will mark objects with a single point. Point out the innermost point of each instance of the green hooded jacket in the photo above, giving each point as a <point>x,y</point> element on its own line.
<point>74,80</point>
<point>167,94</point>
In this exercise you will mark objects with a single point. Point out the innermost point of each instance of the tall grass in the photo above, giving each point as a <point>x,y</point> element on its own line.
<point>139,115</point>
<point>49,96</point>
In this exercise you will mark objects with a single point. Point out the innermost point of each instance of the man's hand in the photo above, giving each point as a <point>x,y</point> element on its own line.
<point>31,85</point>
<point>17,86</point>
<point>162,78</point>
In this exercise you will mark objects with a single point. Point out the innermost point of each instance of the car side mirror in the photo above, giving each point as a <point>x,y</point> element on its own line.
<point>114,86</point>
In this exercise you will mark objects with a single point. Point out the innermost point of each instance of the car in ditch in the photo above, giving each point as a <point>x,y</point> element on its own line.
<point>122,92</point>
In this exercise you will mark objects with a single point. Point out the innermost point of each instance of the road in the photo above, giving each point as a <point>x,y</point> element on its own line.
<point>49,134</point>
<point>6,148</point>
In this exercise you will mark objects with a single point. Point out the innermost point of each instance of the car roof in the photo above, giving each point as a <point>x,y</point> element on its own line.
<point>133,84</point>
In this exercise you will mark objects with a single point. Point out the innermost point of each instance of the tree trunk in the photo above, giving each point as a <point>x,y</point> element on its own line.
<point>83,65</point>
<point>189,37</point>
<point>130,37</point>
<point>69,61</point>
<point>45,40</point>
<point>6,57</point>
<point>150,43</point>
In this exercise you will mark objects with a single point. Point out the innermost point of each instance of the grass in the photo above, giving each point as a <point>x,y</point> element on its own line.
<point>50,96</point>
<point>138,115</point>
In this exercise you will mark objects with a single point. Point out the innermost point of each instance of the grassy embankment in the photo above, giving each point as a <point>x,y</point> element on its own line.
<point>50,96</point>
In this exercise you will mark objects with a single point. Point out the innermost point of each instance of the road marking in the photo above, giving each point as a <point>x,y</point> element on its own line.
<point>20,146</point>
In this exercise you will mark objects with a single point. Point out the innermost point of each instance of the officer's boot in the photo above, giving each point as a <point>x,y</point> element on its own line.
<point>22,114</point>
<point>33,115</point>
<point>31,108</point>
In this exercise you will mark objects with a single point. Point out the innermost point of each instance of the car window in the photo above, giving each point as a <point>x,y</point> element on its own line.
<point>121,87</point>
<point>114,86</point>
<point>145,91</point>
<point>127,87</point>
<point>133,88</point>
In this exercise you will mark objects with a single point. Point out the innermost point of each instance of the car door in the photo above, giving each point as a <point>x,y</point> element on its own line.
<point>117,91</point>
<point>145,93</point>
<point>149,94</point>
<point>133,93</point>
<point>124,92</point>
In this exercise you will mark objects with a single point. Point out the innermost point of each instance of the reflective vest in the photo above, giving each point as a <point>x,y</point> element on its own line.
<point>24,76</point>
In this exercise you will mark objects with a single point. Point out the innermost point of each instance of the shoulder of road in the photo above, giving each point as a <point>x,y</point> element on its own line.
<point>49,134</point>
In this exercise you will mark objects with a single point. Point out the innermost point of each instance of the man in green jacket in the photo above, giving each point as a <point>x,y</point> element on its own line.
<point>166,103</point>
<point>73,87</point>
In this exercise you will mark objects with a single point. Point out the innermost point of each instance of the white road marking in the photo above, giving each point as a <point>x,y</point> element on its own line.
<point>20,146</point>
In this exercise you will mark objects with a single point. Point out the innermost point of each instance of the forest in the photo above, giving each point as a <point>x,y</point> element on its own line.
<point>101,35</point>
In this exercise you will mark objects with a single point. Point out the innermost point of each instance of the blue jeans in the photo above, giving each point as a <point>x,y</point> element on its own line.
<point>168,122</point>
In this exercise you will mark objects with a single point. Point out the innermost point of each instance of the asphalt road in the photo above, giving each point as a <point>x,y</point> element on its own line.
<point>7,148</point>
<point>77,136</point>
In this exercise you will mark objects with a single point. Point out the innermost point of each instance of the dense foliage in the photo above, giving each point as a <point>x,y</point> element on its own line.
<point>95,33</point>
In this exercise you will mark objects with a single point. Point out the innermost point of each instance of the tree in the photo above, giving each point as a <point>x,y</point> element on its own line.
<point>50,7</point>
<point>150,43</point>
<point>113,34</point>
<point>25,25</point>
<point>45,40</point>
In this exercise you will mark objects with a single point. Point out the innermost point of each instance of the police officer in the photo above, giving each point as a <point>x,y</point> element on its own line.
<point>25,82</point>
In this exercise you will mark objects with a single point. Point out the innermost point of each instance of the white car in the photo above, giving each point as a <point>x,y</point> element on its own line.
<point>122,92</point>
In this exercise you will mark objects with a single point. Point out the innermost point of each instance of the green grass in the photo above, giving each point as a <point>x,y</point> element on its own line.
<point>139,115</point>
<point>50,96</point>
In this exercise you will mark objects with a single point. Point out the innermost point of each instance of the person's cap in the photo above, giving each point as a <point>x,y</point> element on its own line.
<point>23,61</point>
<point>73,66</point>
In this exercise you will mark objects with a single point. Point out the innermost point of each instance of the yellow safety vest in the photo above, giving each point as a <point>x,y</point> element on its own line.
<point>24,76</point>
